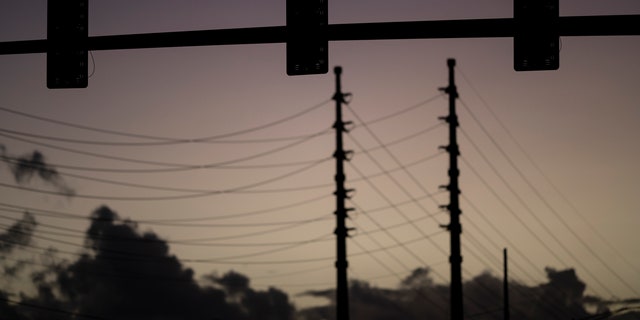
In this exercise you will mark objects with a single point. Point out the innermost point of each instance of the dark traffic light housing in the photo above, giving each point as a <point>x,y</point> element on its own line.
<point>67,34</point>
<point>307,39</point>
<point>536,42</point>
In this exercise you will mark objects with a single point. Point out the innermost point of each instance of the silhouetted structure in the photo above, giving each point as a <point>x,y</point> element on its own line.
<point>454,227</point>
<point>613,25</point>
<point>341,231</point>
<point>505,288</point>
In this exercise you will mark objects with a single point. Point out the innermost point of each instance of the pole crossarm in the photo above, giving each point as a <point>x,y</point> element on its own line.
<point>611,25</point>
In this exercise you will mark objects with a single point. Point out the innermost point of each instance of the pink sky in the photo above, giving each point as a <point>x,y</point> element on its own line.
<point>579,124</point>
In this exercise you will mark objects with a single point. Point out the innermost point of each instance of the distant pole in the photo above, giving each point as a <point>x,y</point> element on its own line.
<point>341,231</point>
<point>454,227</point>
<point>505,292</point>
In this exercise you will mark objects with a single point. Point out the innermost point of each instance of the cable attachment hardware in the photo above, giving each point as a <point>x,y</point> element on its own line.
<point>340,97</point>
<point>344,194</point>
<point>347,95</point>
<point>343,155</point>
<point>349,194</point>
<point>342,126</point>
<point>450,119</point>
<point>342,231</point>
<point>452,149</point>
<point>452,90</point>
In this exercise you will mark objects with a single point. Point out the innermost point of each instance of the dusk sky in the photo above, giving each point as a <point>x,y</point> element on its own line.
<point>219,152</point>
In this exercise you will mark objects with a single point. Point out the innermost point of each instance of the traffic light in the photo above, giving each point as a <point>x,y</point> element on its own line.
<point>307,40</point>
<point>536,42</point>
<point>67,34</point>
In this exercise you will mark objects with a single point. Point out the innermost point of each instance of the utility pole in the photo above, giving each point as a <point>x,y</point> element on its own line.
<point>505,287</point>
<point>341,231</point>
<point>454,227</point>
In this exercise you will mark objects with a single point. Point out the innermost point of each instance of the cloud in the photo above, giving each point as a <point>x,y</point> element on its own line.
<point>626,315</point>
<point>26,167</point>
<point>272,304</point>
<point>419,297</point>
<point>131,275</point>
<point>128,274</point>
<point>124,273</point>
<point>9,310</point>
<point>19,234</point>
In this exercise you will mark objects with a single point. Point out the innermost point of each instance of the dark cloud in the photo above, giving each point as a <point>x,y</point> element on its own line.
<point>419,297</point>
<point>26,167</point>
<point>124,273</point>
<point>8,310</point>
<point>626,315</point>
<point>11,270</point>
<point>19,234</point>
<point>34,165</point>
<point>128,274</point>
<point>272,304</point>
<point>416,298</point>
<point>131,275</point>
<point>564,291</point>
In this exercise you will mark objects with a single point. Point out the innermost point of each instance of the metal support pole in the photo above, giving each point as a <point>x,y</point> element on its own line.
<point>454,227</point>
<point>505,292</point>
<point>613,25</point>
<point>341,231</point>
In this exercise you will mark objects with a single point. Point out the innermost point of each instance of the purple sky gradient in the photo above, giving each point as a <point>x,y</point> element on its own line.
<point>579,124</point>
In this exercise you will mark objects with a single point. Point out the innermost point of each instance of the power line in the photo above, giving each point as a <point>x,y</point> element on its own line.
<point>393,237</point>
<point>382,195</point>
<point>16,160</point>
<point>170,167</point>
<point>548,205</point>
<point>420,293</point>
<point>195,242</point>
<point>476,243</point>
<point>170,140</point>
<point>393,157</point>
<point>545,176</point>
<point>173,221</point>
<point>531,213</point>
<point>290,273</point>
<point>173,140</point>
<point>386,230</point>
<point>78,234</point>
<point>162,198</point>
<point>401,111</point>
<point>498,232</point>
<point>138,257</point>
<point>190,190</point>
<point>50,309</point>
<point>142,144</point>
<point>512,212</point>
<point>155,187</point>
